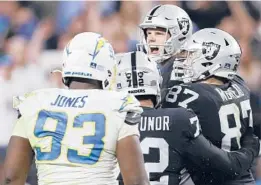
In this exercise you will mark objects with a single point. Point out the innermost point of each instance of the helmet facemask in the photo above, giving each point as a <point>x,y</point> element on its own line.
<point>164,50</point>
<point>188,66</point>
<point>175,21</point>
<point>183,65</point>
<point>208,53</point>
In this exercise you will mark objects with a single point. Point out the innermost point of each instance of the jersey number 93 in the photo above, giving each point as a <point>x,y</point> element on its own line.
<point>57,136</point>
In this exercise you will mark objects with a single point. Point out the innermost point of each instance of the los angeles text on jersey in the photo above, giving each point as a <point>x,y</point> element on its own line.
<point>233,92</point>
<point>64,101</point>
<point>154,123</point>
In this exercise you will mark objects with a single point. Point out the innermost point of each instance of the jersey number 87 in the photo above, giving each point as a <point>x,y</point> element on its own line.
<point>231,134</point>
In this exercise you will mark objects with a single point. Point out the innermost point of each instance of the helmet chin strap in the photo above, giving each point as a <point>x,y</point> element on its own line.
<point>157,59</point>
<point>160,58</point>
<point>208,73</point>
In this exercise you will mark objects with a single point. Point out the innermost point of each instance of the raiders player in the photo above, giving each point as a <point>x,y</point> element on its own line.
<point>171,136</point>
<point>163,31</point>
<point>220,99</point>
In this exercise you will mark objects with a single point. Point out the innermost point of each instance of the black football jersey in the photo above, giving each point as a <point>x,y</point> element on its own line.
<point>255,101</point>
<point>170,136</point>
<point>224,114</point>
<point>162,134</point>
<point>166,70</point>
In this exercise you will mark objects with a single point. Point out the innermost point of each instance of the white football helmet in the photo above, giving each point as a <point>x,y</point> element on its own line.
<point>209,52</point>
<point>89,55</point>
<point>137,75</point>
<point>176,22</point>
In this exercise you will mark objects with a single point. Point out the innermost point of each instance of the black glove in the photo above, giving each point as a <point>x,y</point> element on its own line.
<point>251,142</point>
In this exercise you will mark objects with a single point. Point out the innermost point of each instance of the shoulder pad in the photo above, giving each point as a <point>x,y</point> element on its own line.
<point>187,123</point>
<point>130,104</point>
<point>18,100</point>
<point>239,79</point>
<point>133,118</point>
<point>188,85</point>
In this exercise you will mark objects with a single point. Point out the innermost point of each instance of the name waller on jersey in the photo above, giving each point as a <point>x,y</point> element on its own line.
<point>64,101</point>
<point>233,92</point>
<point>159,123</point>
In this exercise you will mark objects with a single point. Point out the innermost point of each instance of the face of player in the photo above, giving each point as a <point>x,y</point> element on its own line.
<point>156,39</point>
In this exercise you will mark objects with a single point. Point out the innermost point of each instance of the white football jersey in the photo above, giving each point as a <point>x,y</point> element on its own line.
<point>74,133</point>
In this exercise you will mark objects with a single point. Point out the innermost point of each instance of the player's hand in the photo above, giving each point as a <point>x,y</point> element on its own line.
<point>251,142</point>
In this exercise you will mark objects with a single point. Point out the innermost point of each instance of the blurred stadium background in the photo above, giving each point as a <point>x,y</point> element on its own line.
<point>33,33</point>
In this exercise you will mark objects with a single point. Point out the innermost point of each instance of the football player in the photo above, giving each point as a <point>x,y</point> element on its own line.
<point>78,134</point>
<point>163,31</point>
<point>219,97</point>
<point>171,136</point>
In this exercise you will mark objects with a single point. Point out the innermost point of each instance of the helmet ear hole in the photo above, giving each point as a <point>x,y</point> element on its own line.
<point>207,64</point>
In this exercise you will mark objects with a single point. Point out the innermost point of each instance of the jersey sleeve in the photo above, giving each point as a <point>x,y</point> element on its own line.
<point>206,155</point>
<point>128,130</point>
<point>130,114</point>
<point>130,104</point>
<point>23,105</point>
<point>187,125</point>
<point>20,128</point>
<point>194,128</point>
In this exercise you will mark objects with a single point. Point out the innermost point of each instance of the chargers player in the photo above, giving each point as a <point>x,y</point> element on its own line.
<point>171,136</point>
<point>78,134</point>
<point>219,97</point>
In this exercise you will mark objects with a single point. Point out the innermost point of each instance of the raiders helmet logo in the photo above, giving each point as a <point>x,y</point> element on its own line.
<point>210,50</point>
<point>183,25</point>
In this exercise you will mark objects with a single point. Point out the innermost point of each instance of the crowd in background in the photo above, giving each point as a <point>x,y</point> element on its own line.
<point>33,34</point>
